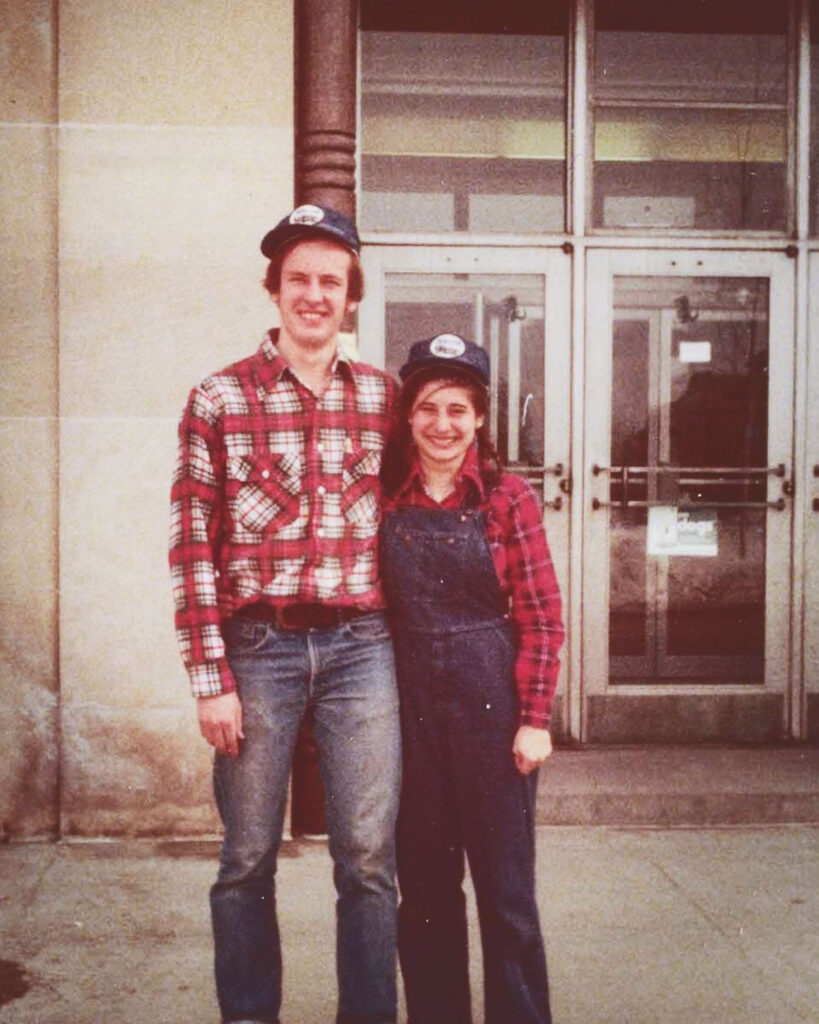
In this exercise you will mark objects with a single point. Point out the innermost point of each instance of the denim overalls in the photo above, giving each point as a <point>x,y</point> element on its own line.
<point>455,655</point>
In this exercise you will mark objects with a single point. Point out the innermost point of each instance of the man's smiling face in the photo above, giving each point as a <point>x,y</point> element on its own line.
<point>312,297</point>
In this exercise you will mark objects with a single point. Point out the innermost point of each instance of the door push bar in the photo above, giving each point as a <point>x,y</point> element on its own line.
<point>718,475</point>
<point>777,470</point>
<point>687,506</point>
<point>539,472</point>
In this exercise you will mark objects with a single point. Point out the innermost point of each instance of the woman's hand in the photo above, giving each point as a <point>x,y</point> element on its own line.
<point>531,748</point>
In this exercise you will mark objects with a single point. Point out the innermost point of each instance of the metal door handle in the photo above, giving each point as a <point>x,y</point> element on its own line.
<point>539,473</point>
<point>526,470</point>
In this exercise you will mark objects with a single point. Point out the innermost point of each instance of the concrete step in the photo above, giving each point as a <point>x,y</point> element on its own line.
<point>685,785</point>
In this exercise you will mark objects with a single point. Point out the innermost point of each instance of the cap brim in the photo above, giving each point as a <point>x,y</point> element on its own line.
<point>276,239</point>
<point>446,367</point>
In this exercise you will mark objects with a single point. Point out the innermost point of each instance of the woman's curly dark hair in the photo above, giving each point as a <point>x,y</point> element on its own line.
<point>399,451</point>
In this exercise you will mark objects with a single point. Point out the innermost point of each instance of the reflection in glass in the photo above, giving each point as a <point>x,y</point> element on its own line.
<point>502,313</point>
<point>688,448</point>
<point>463,131</point>
<point>690,116</point>
<point>814,115</point>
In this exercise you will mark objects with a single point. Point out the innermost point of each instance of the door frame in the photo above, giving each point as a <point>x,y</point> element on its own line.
<point>555,266</point>
<point>602,267</point>
<point>806,703</point>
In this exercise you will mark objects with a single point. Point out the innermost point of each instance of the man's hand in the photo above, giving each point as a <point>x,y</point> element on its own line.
<point>531,748</point>
<point>220,722</point>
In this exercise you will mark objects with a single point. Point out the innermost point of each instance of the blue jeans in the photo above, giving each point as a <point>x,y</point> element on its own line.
<point>346,676</point>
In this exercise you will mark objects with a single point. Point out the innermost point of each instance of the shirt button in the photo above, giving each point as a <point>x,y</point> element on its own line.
<point>319,532</point>
<point>321,489</point>
<point>319,447</point>
<point>265,474</point>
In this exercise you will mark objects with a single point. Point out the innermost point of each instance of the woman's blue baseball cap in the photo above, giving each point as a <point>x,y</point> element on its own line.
<point>447,352</point>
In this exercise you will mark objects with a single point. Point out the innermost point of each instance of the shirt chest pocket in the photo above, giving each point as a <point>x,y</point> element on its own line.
<point>264,491</point>
<point>360,495</point>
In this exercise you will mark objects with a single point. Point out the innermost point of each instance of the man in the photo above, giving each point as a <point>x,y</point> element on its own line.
<point>279,611</point>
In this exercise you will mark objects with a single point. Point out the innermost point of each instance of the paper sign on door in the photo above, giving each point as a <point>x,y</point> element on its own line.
<point>674,531</point>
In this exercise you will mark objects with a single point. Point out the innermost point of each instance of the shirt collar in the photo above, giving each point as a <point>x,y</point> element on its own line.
<point>271,366</point>
<point>469,476</point>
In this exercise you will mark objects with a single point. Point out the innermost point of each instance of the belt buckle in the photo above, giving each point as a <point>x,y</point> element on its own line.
<point>314,616</point>
<point>284,619</point>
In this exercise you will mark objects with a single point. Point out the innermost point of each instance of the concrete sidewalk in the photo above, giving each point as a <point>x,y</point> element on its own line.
<point>643,926</point>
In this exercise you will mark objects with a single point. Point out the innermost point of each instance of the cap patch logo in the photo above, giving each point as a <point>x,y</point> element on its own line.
<point>307,215</point>
<point>447,346</point>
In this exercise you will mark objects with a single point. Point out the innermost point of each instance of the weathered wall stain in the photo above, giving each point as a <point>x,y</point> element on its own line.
<point>29,763</point>
<point>14,981</point>
<point>127,774</point>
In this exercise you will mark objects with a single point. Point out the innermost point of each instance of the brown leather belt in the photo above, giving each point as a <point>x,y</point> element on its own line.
<point>302,616</point>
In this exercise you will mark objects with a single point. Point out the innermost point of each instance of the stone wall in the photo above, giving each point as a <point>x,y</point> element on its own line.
<point>145,149</point>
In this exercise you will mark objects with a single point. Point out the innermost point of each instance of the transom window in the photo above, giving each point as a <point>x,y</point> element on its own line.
<point>467,116</point>
<point>463,117</point>
<point>690,115</point>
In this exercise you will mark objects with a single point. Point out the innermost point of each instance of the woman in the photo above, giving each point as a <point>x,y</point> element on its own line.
<point>477,629</point>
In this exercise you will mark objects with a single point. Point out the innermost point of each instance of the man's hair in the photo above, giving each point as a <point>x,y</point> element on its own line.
<point>399,451</point>
<point>355,276</point>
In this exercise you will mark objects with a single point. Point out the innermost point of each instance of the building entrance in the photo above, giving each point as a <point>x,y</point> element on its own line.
<point>688,430</point>
<point>661,442</point>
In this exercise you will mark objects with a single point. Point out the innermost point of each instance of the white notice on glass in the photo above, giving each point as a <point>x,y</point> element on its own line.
<point>674,531</point>
<point>695,351</point>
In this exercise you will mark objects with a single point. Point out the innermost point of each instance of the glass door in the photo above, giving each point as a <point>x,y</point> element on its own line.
<point>689,432</point>
<point>810,653</point>
<point>514,303</point>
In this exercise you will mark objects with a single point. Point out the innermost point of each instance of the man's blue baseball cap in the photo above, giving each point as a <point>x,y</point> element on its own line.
<point>447,352</point>
<point>311,221</point>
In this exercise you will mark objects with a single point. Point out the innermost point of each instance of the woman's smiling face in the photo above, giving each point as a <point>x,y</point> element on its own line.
<point>443,421</point>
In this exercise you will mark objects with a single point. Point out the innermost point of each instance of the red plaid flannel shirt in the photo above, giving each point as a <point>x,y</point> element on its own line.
<point>523,562</point>
<point>275,498</point>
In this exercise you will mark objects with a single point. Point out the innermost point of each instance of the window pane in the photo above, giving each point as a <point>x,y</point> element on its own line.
<point>463,131</point>
<point>814,116</point>
<point>689,437</point>
<point>690,117</point>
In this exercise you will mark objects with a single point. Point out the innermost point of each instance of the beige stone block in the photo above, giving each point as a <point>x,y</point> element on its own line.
<point>117,646</point>
<point>27,35</point>
<point>28,644</point>
<point>160,261</point>
<point>29,762</point>
<point>130,772</point>
<point>28,283</point>
<point>189,62</point>
<point>28,546</point>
